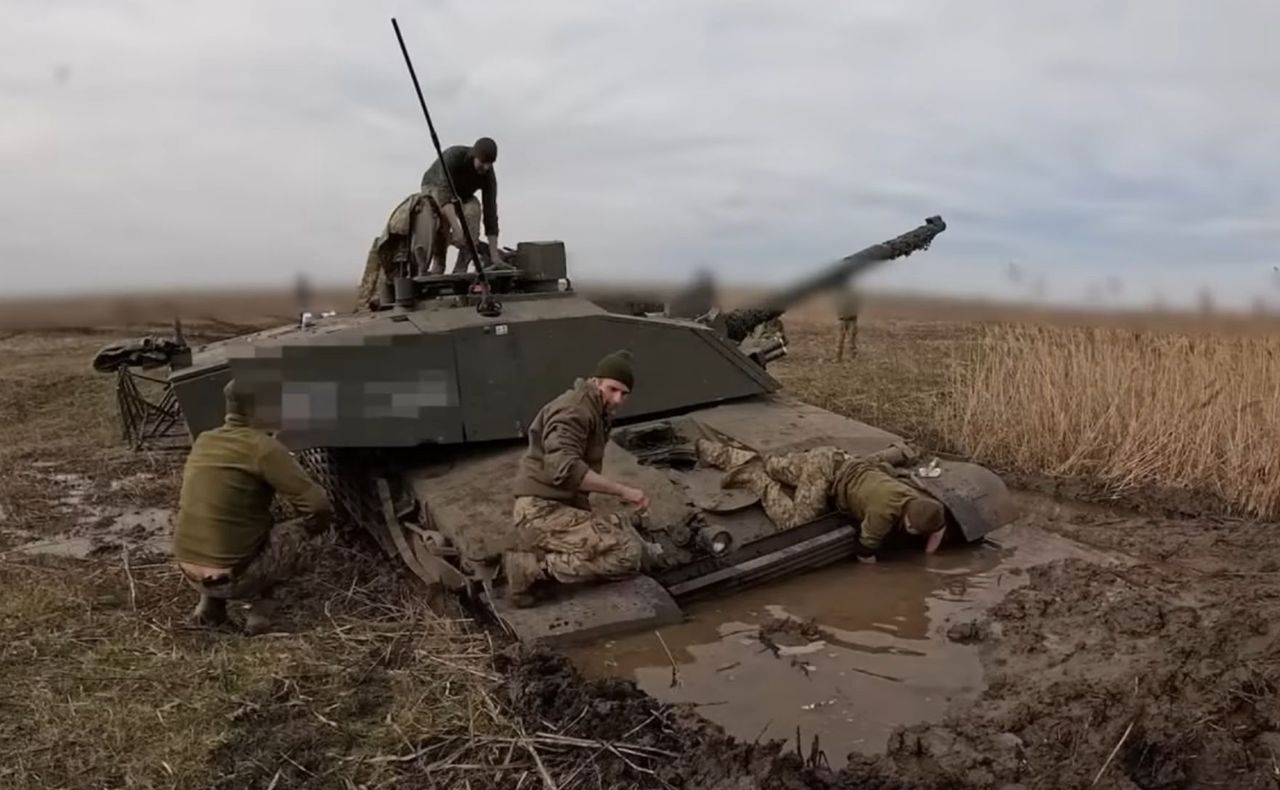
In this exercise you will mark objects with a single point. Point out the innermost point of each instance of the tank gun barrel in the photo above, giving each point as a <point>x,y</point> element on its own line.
<point>852,266</point>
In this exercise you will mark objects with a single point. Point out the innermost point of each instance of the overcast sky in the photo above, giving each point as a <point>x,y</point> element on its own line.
<point>158,143</point>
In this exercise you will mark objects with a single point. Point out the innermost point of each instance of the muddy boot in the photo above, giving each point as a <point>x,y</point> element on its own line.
<point>209,612</point>
<point>721,455</point>
<point>522,570</point>
<point>258,616</point>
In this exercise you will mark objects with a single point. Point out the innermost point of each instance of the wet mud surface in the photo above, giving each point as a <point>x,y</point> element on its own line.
<point>82,520</point>
<point>1147,656</point>
<point>846,653</point>
<point>1084,644</point>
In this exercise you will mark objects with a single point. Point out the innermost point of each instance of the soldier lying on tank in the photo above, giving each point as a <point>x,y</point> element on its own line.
<point>880,502</point>
<point>225,541</point>
<point>556,536</point>
<point>472,168</point>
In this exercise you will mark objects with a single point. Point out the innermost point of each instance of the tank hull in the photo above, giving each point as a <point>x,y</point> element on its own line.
<point>453,507</point>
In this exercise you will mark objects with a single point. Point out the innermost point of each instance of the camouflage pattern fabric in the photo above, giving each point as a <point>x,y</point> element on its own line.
<point>381,263</point>
<point>578,545</point>
<point>282,557</point>
<point>432,235</point>
<point>808,474</point>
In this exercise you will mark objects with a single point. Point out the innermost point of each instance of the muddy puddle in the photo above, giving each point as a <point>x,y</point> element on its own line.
<point>142,531</point>
<point>845,653</point>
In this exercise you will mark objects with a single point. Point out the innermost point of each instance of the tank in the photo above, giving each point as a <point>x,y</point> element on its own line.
<point>413,415</point>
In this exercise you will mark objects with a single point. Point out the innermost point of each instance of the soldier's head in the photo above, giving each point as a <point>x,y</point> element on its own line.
<point>614,376</point>
<point>923,515</point>
<point>483,154</point>
<point>239,400</point>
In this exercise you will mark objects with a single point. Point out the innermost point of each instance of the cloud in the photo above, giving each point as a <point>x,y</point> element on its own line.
<point>152,144</point>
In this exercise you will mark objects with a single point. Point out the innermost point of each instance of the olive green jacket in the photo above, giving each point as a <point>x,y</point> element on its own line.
<point>566,439</point>
<point>232,474</point>
<point>865,491</point>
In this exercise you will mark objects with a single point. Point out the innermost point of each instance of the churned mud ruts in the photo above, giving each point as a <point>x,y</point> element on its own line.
<point>1160,674</point>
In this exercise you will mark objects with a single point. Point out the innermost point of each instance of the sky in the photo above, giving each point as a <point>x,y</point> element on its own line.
<point>1082,150</point>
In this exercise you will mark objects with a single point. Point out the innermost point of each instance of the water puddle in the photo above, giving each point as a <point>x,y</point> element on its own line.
<point>864,648</point>
<point>146,530</point>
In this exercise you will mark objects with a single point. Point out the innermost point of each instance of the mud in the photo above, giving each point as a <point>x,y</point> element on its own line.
<point>145,531</point>
<point>848,653</point>
<point>1171,662</point>
<point>544,689</point>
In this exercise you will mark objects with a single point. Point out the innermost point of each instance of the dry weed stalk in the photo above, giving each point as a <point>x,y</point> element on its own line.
<point>1132,409</point>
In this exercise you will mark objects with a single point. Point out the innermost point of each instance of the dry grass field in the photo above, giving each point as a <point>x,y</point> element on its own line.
<point>1197,414</point>
<point>105,687</point>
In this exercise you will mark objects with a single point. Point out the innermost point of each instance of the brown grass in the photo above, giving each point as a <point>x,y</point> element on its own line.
<point>99,694</point>
<point>1130,409</point>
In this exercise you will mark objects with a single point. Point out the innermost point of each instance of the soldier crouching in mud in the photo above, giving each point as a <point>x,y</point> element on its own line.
<point>862,491</point>
<point>225,542</point>
<point>555,533</point>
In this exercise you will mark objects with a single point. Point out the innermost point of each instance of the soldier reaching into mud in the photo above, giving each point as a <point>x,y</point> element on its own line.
<point>472,168</point>
<point>861,489</point>
<point>555,534</point>
<point>225,542</point>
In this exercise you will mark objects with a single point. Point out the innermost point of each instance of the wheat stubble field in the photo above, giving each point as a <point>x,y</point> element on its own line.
<point>1161,672</point>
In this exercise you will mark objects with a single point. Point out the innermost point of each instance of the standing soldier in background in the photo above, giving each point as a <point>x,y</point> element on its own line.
<point>471,167</point>
<point>225,542</point>
<point>556,534</point>
<point>848,303</point>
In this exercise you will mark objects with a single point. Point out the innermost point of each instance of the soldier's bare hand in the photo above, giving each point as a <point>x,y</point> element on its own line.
<point>634,496</point>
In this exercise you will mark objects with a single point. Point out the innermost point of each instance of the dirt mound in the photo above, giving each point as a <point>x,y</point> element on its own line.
<point>545,691</point>
<point>1181,684</point>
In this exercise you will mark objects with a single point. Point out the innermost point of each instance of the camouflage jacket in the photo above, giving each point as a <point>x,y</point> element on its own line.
<point>566,439</point>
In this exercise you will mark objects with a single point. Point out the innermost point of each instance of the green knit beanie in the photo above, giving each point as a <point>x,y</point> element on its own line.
<point>616,366</point>
<point>238,399</point>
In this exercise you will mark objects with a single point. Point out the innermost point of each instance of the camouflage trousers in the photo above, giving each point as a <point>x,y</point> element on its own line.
<point>794,488</point>
<point>282,556</point>
<point>848,337</point>
<point>432,235</point>
<point>577,545</point>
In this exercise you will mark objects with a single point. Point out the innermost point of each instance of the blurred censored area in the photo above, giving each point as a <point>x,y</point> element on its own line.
<point>359,392</point>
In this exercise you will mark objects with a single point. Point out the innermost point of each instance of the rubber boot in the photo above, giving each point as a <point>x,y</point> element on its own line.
<point>258,616</point>
<point>209,612</point>
<point>522,570</point>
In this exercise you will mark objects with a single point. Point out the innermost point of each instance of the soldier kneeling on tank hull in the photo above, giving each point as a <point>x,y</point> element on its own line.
<point>225,542</point>
<point>556,536</point>
<point>862,490</point>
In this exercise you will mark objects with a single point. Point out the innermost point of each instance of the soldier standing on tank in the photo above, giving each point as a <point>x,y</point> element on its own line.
<point>556,535</point>
<point>880,502</point>
<point>472,169</point>
<point>225,542</point>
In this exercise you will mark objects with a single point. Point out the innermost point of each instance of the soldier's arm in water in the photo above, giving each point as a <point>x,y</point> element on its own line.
<point>284,474</point>
<point>875,526</point>
<point>564,442</point>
